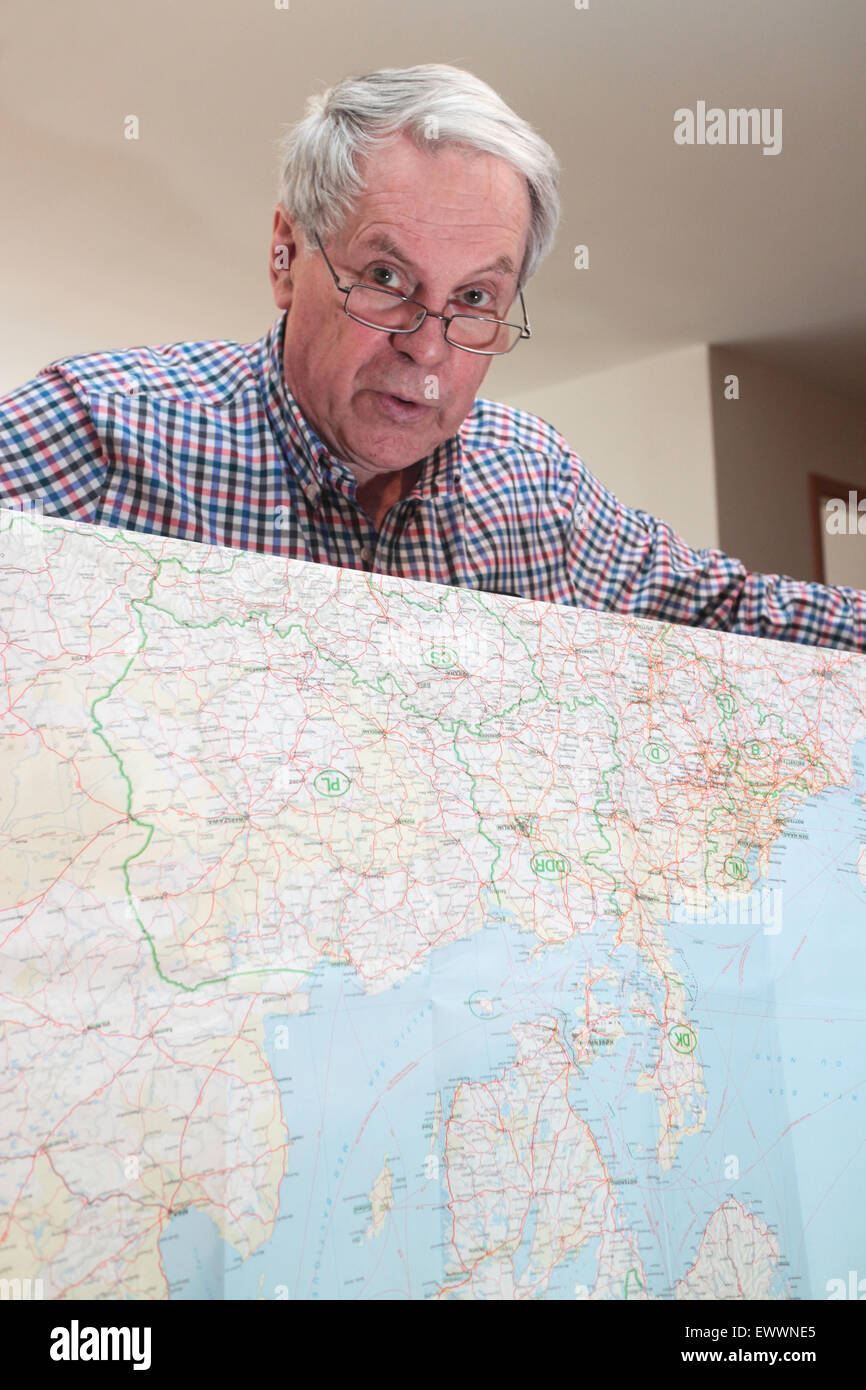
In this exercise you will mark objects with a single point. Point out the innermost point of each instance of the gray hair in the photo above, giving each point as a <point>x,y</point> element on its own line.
<point>435,105</point>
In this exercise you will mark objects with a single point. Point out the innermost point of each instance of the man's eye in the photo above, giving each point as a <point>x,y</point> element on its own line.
<point>478,303</point>
<point>385,284</point>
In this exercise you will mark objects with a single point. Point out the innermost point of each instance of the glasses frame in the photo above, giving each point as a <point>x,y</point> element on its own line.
<point>447,319</point>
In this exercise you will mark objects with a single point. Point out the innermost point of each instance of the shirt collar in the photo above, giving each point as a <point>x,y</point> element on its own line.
<point>309,458</point>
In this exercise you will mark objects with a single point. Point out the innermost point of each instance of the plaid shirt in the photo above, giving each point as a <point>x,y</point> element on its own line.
<point>205,441</point>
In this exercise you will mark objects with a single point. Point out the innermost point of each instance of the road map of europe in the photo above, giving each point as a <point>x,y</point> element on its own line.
<point>365,938</point>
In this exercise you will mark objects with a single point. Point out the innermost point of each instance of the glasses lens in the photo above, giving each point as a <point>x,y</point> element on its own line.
<point>484,335</point>
<point>381,309</point>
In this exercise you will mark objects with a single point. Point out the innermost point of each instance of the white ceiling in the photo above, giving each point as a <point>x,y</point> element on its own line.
<point>110,242</point>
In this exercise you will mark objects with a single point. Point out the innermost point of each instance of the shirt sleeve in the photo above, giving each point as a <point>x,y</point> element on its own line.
<point>628,561</point>
<point>50,453</point>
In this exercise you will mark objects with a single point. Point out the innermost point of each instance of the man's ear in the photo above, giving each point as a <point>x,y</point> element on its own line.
<point>285,249</point>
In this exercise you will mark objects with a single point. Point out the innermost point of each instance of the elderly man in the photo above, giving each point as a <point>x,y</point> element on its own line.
<point>414,207</point>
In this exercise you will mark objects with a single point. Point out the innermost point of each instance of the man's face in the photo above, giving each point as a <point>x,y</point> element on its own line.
<point>450,215</point>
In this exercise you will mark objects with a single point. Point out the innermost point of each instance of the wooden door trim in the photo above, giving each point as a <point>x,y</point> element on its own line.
<point>820,485</point>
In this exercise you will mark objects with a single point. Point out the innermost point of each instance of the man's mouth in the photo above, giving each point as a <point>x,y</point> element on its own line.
<point>398,396</point>
<point>400,408</point>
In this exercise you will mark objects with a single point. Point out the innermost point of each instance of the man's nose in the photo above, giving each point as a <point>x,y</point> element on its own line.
<point>427,344</point>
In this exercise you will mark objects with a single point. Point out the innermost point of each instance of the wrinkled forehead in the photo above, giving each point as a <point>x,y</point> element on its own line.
<point>415,195</point>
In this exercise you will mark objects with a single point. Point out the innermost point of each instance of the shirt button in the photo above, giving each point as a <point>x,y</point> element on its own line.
<point>366,554</point>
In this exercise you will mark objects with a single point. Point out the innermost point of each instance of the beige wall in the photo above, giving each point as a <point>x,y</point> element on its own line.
<point>645,430</point>
<point>727,473</point>
<point>782,427</point>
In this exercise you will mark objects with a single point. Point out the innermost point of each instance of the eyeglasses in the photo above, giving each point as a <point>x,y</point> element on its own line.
<point>394,313</point>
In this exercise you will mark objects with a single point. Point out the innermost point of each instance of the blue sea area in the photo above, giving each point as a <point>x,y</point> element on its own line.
<point>367,1082</point>
<point>781,1011</point>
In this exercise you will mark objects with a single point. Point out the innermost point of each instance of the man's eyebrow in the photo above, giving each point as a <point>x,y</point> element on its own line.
<point>379,241</point>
